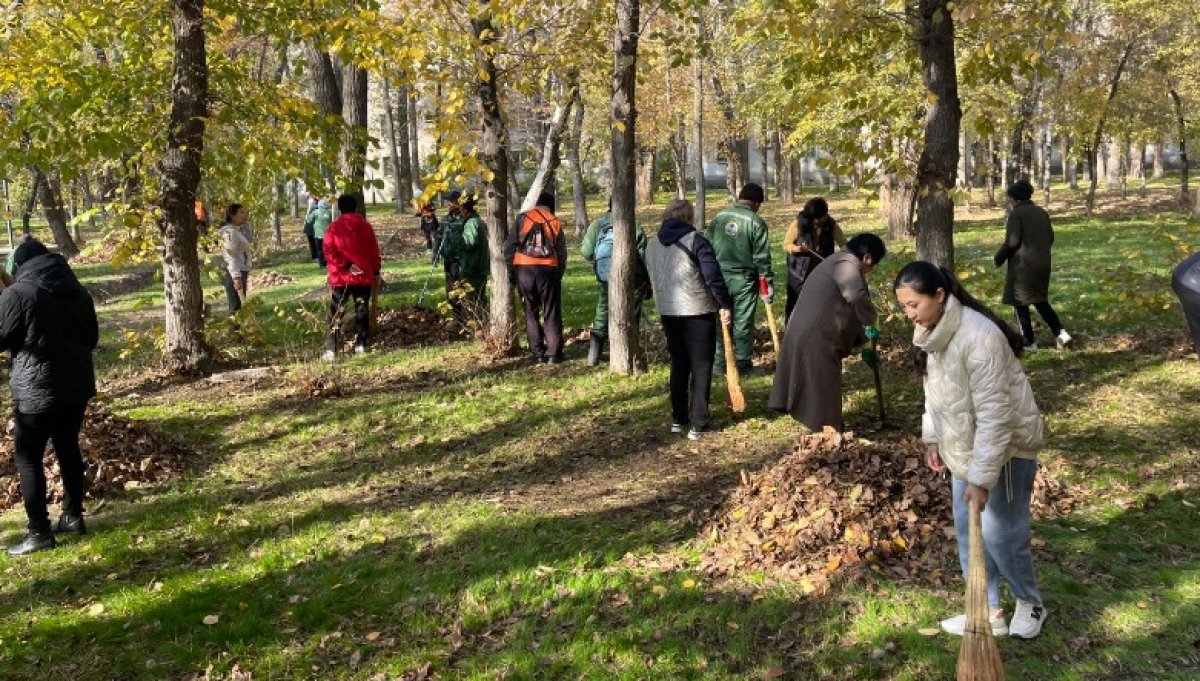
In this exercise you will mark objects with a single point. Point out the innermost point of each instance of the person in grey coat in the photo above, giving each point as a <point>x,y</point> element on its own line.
<point>690,294</point>
<point>1028,236</point>
<point>833,316</point>
<point>1185,281</point>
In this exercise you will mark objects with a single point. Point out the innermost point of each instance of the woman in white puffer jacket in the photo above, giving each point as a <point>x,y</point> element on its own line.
<point>981,422</point>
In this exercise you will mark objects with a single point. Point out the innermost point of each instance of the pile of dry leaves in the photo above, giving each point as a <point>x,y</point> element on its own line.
<point>841,506</point>
<point>413,325</point>
<point>120,454</point>
<point>261,279</point>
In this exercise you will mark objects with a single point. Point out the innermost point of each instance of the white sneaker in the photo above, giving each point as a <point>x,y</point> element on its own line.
<point>1064,341</point>
<point>676,428</point>
<point>958,624</point>
<point>694,434</point>
<point>360,349</point>
<point>328,356</point>
<point>1027,619</point>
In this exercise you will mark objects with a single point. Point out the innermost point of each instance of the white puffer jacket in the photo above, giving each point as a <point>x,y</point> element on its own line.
<point>979,408</point>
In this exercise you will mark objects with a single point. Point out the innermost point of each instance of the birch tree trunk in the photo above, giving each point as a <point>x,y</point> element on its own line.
<point>551,157</point>
<point>186,349</point>
<point>943,116</point>
<point>622,321</point>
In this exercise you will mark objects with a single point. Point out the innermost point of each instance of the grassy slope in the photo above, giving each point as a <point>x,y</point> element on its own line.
<point>503,522</point>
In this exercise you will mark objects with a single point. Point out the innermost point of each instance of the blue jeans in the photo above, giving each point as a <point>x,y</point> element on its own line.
<point>1006,532</point>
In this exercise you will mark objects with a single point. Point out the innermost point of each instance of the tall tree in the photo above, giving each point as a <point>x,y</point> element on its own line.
<point>49,191</point>
<point>622,321</point>
<point>551,156</point>
<point>943,116</point>
<point>186,348</point>
<point>578,191</point>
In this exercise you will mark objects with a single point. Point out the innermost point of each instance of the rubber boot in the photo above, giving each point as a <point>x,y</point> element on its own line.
<point>594,349</point>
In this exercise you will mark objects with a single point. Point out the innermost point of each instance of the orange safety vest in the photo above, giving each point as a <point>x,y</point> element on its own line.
<point>551,228</point>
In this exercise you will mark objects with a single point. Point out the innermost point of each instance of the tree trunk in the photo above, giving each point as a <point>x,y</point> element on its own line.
<point>401,170</point>
<point>963,178</point>
<point>186,349</point>
<point>276,214</point>
<point>1141,170</point>
<point>414,138</point>
<point>733,146</point>
<point>1098,133</point>
<point>679,159</point>
<point>49,190</point>
<point>1184,168</point>
<point>354,150</point>
<point>943,116</point>
<point>899,198</point>
<point>493,151</point>
<point>551,156</point>
<point>646,160</point>
<point>578,191</point>
<point>783,170</point>
<point>1159,169</point>
<point>323,81</point>
<point>1047,153</point>
<point>698,127</point>
<point>622,322</point>
<point>764,151</point>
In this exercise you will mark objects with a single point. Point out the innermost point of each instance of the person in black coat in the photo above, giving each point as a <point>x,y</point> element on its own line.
<point>1185,281</point>
<point>48,326</point>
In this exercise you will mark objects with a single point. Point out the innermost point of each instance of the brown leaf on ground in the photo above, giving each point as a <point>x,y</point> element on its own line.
<point>844,506</point>
<point>118,453</point>
<point>261,279</point>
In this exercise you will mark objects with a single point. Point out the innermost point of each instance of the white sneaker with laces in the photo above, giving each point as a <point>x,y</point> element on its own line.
<point>676,428</point>
<point>328,356</point>
<point>958,624</point>
<point>694,434</point>
<point>1027,619</point>
<point>1063,340</point>
<point>360,349</point>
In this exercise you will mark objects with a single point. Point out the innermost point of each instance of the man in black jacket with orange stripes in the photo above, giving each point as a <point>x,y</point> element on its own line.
<point>537,255</point>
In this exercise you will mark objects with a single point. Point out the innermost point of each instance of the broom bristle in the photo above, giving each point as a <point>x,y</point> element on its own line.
<point>978,658</point>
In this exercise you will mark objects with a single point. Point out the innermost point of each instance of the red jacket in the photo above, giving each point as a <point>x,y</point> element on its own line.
<point>350,240</point>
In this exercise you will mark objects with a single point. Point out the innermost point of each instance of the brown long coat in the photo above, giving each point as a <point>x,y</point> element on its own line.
<point>825,327</point>
<point>1028,237</point>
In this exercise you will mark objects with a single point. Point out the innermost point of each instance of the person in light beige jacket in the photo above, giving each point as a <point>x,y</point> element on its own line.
<point>982,423</point>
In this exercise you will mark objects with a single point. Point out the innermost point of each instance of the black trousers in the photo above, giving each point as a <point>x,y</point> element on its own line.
<point>541,291</point>
<point>1190,300</point>
<point>319,248</point>
<point>692,343</point>
<point>794,286</point>
<point>231,289</point>
<point>29,442</point>
<point>362,315</point>
<point>312,246</point>
<point>1025,322</point>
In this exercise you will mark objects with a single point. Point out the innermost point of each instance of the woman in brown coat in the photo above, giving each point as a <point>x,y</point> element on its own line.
<point>829,321</point>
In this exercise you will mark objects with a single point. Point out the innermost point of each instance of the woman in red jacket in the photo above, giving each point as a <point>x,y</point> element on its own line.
<point>353,263</point>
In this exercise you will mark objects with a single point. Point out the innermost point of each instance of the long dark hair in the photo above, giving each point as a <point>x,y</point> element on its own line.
<point>926,278</point>
<point>231,211</point>
<point>814,208</point>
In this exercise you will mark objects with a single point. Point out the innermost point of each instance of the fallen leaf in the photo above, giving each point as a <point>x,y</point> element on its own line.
<point>96,608</point>
<point>928,631</point>
<point>211,619</point>
<point>374,636</point>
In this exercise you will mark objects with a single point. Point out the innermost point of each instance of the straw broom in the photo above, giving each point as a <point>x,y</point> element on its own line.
<point>978,658</point>
<point>737,401</point>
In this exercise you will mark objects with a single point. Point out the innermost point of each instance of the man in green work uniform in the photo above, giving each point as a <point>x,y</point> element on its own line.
<point>474,265</point>
<point>598,250</point>
<point>448,245</point>
<point>739,239</point>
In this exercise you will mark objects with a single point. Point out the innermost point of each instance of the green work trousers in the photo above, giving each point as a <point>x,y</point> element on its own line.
<point>745,301</point>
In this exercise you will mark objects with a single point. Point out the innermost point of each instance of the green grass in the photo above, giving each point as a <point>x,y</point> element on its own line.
<point>501,521</point>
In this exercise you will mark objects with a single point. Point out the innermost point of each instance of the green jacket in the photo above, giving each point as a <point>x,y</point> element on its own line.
<point>450,238</point>
<point>317,221</point>
<point>593,233</point>
<point>473,260</point>
<point>739,238</point>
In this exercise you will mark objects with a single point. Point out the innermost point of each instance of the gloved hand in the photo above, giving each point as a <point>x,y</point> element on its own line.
<point>869,357</point>
<point>766,290</point>
<point>870,332</point>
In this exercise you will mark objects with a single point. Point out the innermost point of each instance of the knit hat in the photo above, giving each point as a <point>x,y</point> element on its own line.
<point>28,251</point>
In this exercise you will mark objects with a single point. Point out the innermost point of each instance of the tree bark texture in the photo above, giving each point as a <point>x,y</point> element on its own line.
<point>551,150</point>
<point>783,170</point>
<point>49,192</point>
<point>414,138</point>
<point>578,191</point>
<point>899,194</point>
<point>1098,132</point>
<point>943,117</point>
<point>678,143</point>
<point>354,151</point>
<point>401,170</point>
<point>1159,169</point>
<point>991,171</point>
<point>622,320</point>
<point>647,159</point>
<point>733,145</point>
<point>186,349</point>
<point>1181,131</point>
<point>277,214</point>
<point>493,151</point>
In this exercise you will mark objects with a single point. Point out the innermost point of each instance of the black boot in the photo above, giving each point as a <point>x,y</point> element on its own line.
<point>594,350</point>
<point>70,523</point>
<point>34,541</point>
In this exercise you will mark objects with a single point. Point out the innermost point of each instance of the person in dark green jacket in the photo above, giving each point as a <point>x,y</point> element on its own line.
<point>448,244</point>
<point>598,249</point>
<point>474,264</point>
<point>739,238</point>
<point>314,227</point>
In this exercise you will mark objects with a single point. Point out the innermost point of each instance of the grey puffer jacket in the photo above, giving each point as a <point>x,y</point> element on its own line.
<point>48,326</point>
